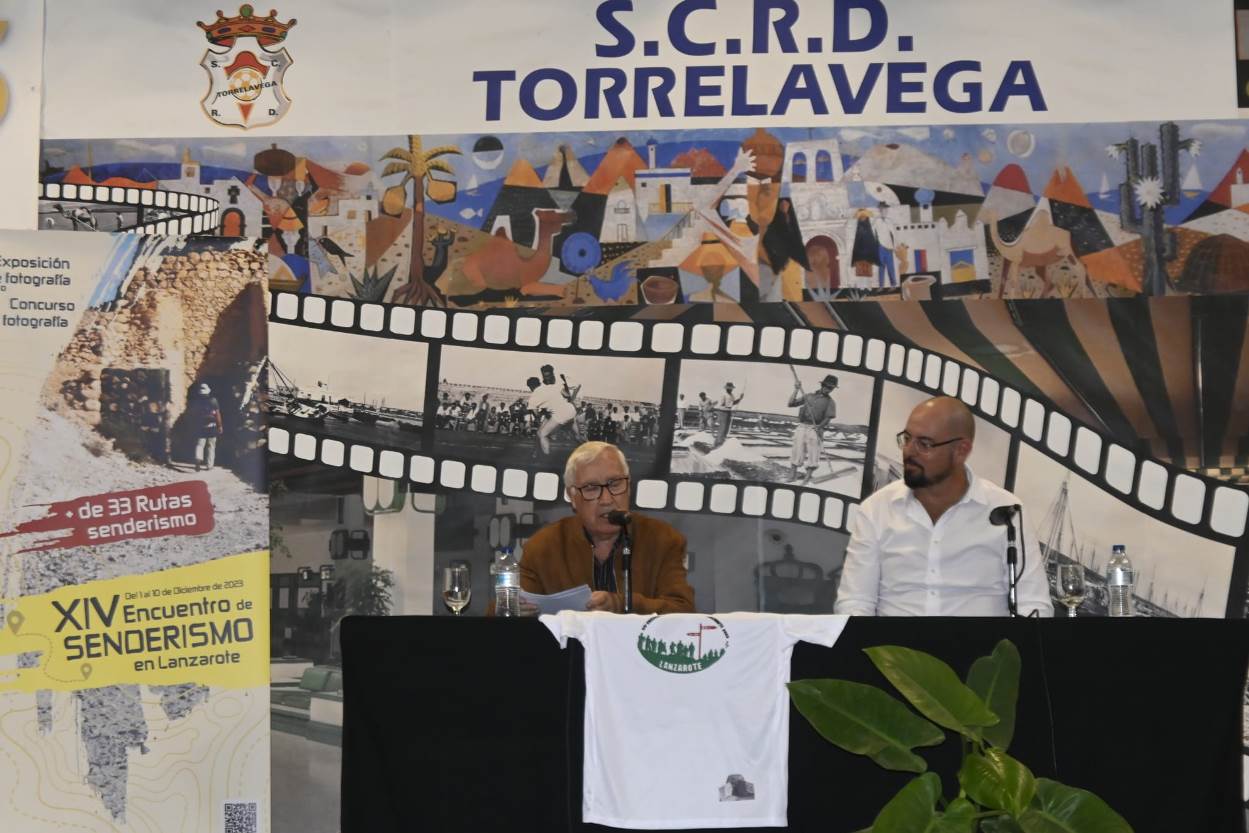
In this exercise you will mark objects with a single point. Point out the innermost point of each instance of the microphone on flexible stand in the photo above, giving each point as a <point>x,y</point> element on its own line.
<point>1003,516</point>
<point>622,520</point>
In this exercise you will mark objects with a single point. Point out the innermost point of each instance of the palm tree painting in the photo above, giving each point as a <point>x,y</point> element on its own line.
<point>417,164</point>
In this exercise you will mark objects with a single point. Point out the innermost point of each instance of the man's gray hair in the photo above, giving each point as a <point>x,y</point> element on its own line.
<point>588,453</point>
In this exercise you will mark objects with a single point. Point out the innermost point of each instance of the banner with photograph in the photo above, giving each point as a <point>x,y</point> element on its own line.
<point>435,438</point>
<point>134,630</point>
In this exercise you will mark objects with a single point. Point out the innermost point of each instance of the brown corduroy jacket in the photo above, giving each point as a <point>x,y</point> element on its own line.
<point>559,557</point>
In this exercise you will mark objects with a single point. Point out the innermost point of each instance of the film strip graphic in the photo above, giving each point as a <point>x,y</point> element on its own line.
<point>1179,498</point>
<point>182,213</point>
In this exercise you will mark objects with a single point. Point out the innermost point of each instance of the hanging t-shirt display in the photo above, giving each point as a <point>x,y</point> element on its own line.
<point>687,716</point>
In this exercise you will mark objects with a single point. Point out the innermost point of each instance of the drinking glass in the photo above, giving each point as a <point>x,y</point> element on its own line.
<point>1071,586</point>
<point>457,587</point>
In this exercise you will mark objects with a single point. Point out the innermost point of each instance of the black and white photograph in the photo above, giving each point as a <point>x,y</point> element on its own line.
<point>773,423</point>
<point>1075,521</point>
<point>532,409</point>
<point>347,386</point>
<point>68,215</point>
<point>989,451</point>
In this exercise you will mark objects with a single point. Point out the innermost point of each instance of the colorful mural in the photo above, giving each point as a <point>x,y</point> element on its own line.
<point>725,215</point>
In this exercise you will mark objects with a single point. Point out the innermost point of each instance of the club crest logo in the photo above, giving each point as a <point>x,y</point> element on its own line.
<point>245,74</point>
<point>683,644</point>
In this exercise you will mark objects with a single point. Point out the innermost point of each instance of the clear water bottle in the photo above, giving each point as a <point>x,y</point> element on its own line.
<point>1120,581</point>
<point>506,583</point>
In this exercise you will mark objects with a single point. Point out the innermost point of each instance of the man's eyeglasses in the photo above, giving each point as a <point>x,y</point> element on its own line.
<point>922,444</point>
<point>615,486</point>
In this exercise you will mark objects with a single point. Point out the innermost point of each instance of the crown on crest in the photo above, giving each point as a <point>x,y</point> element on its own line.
<point>266,30</point>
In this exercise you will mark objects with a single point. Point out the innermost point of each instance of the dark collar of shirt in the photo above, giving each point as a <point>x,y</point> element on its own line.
<point>605,570</point>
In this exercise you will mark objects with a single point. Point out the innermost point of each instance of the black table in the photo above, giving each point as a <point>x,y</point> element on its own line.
<point>457,724</point>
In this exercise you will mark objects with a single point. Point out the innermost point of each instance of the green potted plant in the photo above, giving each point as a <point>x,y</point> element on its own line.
<point>997,793</point>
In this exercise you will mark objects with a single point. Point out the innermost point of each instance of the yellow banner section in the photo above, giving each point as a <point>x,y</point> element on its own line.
<point>207,624</point>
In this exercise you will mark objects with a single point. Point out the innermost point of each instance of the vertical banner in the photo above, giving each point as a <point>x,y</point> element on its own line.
<point>133,547</point>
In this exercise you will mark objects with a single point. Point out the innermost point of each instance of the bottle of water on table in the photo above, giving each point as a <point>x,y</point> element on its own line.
<point>1120,581</point>
<point>506,584</point>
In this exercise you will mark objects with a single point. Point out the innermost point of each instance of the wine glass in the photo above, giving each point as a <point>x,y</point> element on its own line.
<point>1071,586</point>
<point>457,587</point>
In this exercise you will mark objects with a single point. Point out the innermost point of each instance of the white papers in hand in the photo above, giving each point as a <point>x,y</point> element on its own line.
<point>575,598</point>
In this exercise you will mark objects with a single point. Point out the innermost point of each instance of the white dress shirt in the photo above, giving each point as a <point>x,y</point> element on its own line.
<point>900,563</point>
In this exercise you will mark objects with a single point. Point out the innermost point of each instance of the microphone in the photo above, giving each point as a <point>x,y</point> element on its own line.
<point>1002,515</point>
<point>622,520</point>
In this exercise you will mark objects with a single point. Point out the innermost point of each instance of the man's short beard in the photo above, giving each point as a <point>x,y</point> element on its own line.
<point>917,480</point>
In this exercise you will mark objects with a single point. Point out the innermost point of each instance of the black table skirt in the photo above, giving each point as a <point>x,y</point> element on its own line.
<point>456,724</point>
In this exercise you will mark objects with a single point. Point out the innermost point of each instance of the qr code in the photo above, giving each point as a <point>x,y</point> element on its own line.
<point>241,816</point>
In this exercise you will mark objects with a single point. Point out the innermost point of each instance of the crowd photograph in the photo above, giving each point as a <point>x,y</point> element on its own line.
<point>532,408</point>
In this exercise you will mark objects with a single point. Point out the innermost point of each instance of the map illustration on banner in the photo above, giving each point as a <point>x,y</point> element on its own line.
<point>134,587</point>
<point>245,81</point>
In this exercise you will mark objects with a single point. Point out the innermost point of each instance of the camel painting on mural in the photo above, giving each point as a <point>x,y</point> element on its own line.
<point>1040,246</point>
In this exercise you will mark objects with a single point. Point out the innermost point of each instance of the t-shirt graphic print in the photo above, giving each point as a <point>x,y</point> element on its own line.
<point>687,716</point>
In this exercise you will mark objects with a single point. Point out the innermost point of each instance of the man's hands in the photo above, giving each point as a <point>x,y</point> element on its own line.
<point>604,601</point>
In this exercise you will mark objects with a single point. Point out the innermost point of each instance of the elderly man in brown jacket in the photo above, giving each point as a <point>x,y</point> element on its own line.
<point>584,548</point>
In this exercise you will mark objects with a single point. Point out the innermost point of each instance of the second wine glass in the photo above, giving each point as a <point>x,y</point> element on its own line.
<point>1071,586</point>
<point>457,587</point>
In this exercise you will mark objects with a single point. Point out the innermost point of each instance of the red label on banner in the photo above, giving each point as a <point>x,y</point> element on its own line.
<point>174,509</point>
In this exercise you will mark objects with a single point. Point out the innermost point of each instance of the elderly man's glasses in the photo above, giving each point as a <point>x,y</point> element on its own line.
<point>922,444</point>
<point>615,486</point>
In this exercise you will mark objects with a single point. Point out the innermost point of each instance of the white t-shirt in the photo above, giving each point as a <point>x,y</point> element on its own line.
<point>552,399</point>
<point>687,715</point>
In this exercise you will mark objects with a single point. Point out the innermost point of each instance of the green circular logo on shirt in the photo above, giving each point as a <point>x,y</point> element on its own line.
<point>682,644</point>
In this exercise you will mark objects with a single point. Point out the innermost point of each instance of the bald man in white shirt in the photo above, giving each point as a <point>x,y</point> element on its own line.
<point>924,546</point>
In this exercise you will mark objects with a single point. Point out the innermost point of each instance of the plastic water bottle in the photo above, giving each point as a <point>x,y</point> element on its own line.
<point>1120,581</point>
<point>506,584</point>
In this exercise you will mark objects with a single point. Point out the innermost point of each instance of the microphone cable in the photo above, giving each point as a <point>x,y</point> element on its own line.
<point>1040,641</point>
<point>1045,686</point>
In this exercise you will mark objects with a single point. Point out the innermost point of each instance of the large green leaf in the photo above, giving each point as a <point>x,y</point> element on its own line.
<point>1058,808</point>
<point>995,679</point>
<point>959,815</point>
<point>1000,824</point>
<point>997,781</point>
<point>866,721</point>
<point>914,810</point>
<point>933,688</point>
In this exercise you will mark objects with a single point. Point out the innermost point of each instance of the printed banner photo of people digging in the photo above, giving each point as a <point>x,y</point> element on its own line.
<point>772,422</point>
